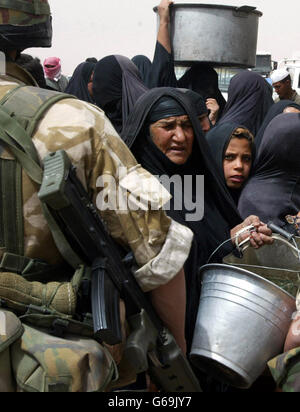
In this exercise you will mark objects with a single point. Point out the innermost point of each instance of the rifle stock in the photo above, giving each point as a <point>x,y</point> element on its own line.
<point>150,346</point>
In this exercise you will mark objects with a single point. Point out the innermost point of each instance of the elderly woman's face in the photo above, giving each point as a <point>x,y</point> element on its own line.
<point>174,136</point>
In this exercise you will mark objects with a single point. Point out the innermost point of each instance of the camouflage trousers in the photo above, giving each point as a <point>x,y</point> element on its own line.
<point>31,360</point>
<point>285,370</point>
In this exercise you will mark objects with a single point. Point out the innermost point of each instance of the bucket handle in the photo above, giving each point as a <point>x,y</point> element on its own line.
<point>295,250</point>
<point>243,11</point>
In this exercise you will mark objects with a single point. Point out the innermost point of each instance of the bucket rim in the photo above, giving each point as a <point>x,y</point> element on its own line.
<point>244,271</point>
<point>212,6</point>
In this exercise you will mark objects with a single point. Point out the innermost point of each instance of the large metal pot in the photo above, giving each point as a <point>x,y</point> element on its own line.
<point>242,323</point>
<point>216,34</point>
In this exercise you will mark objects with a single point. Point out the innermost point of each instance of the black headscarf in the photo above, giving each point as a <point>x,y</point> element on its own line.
<point>116,87</point>
<point>249,100</point>
<point>143,63</point>
<point>159,73</point>
<point>273,191</point>
<point>220,214</point>
<point>203,79</point>
<point>218,139</point>
<point>197,100</point>
<point>274,111</point>
<point>78,84</point>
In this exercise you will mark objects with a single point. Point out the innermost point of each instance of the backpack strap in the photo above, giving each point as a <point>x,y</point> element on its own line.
<point>20,112</point>
<point>29,104</point>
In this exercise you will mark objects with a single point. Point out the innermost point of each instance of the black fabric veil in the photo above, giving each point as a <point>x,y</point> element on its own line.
<point>220,213</point>
<point>203,79</point>
<point>159,73</point>
<point>274,111</point>
<point>78,84</point>
<point>218,139</point>
<point>143,63</point>
<point>274,189</point>
<point>116,87</point>
<point>249,100</point>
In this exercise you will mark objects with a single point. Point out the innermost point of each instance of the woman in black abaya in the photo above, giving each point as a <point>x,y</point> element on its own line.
<point>249,100</point>
<point>79,83</point>
<point>143,63</point>
<point>275,110</point>
<point>203,79</point>
<point>220,213</point>
<point>116,87</point>
<point>273,191</point>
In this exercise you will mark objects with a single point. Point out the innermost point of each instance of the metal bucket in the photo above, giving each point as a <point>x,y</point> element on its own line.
<point>278,263</point>
<point>216,34</point>
<point>242,323</point>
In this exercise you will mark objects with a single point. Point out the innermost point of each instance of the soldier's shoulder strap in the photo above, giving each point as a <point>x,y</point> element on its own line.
<point>28,104</point>
<point>20,112</point>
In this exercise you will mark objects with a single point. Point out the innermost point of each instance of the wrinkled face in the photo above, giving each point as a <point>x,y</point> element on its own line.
<point>283,89</point>
<point>237,162</point>
<point>204,123</point>
<point>174,136</point>
<point>291,109</point>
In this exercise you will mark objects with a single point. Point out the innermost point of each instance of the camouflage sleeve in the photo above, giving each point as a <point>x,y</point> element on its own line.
<point>285,370</point>
<point>135,214</point>
<point>129,199</point>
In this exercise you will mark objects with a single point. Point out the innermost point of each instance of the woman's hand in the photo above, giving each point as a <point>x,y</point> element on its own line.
<point>214,108</point>
<point>261,234</point>
<point>164,10</point>
<point>163,35</point>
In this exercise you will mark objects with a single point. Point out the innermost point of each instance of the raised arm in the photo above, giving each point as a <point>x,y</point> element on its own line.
<point>163,36</point>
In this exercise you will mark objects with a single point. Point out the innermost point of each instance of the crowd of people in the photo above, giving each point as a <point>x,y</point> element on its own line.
<point>157,125</point>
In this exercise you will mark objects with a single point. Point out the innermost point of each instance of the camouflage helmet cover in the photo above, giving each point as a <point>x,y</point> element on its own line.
<point>25,23</point>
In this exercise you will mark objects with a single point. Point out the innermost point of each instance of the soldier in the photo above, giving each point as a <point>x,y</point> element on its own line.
<point>28,248</point>
<point>285,368</point>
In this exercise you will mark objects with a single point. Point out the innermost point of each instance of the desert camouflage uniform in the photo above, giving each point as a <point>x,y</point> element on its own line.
<point>285,368</point>
<point>159,244</point>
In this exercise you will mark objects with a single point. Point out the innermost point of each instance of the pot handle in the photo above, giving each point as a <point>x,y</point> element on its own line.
<point>243,11</point>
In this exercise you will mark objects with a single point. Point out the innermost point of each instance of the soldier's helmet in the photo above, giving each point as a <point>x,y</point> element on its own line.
<point>25,24</point>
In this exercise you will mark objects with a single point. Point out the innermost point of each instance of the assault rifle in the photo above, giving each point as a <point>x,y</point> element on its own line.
<point>150,346</point>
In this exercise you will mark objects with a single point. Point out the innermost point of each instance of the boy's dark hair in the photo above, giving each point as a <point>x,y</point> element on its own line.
<point>34,67</point>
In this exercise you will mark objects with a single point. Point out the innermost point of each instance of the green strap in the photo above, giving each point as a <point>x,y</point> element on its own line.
<point>8,94</point>
<point>34,7</point>
<point>20,143</point>
<point>11,225</point>
<point>36,173</point>
<point>61,242</point>
<point>13,263</point>
<point>40,113</point>
<point>17,133</point>
<point>33,170</point>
